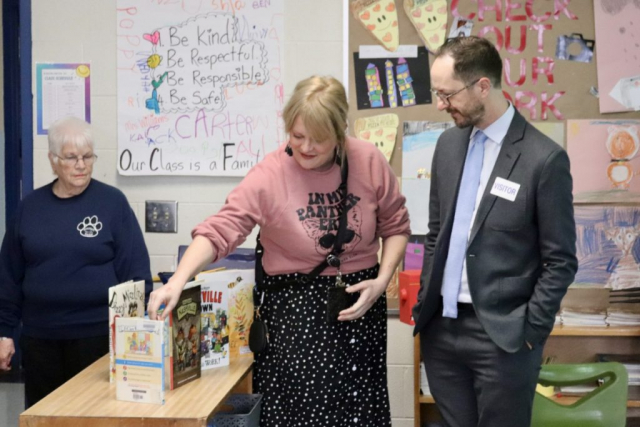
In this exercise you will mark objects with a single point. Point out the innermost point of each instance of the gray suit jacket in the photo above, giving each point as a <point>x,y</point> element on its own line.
<point>521,254</point>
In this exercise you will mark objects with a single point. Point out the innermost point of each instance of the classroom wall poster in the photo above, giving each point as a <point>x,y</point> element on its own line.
<point>604,160</point>
<point>380,131</point>
<point>522,33</point>
<point>607,246</point>
<point>200,87</point>
<point>418,144</point>
<point>62,90</point>
<point>392,82</point>
<point>616,25</point>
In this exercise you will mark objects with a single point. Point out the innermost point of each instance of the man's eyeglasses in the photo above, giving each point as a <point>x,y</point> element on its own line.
<point>88,160</point>
<point>445,98</point>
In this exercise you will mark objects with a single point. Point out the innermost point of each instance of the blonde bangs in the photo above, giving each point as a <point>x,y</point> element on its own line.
<point>317,121</point>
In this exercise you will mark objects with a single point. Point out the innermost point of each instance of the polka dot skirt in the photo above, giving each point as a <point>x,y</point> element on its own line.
<point>314,373</point>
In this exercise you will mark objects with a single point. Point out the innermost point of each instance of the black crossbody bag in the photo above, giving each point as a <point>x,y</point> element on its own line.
<point>337,297</point>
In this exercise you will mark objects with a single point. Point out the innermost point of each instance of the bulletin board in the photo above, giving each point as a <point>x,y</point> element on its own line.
<point>548,86</point>
<point>527,37</point>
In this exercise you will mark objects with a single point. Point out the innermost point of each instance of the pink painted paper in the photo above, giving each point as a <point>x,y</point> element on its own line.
<point>617,47</point>
<point>586,146</point>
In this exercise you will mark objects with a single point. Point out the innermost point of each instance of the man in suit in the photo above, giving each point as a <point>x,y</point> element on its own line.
<point>500,252</point>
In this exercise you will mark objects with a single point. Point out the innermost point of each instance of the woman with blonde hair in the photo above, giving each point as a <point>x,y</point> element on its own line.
<point>323,203</point>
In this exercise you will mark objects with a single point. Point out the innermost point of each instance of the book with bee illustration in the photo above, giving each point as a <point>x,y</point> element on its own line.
<point>140,360</point>
<point>125,300</point>
<point>214,322</point>
<point>239,284</point>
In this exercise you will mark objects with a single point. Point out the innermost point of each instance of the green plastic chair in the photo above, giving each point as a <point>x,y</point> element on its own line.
<point>606,406</point>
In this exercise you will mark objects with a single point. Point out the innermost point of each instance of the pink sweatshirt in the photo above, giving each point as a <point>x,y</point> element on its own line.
<point>296,210</point>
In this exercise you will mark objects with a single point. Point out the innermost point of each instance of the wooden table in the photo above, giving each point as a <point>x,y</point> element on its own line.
<point>89,400</point>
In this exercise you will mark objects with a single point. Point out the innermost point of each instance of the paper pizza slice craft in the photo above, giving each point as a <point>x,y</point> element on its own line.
<point>380,18</point>
<point>429,17</point>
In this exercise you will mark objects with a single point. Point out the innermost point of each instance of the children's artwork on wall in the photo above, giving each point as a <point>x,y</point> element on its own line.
<point>553,130</point>
<point>604,160</point>
<point>429,18</point>
<point>200,89</point>
<point>380,18</point>
<point>392,93</point>
<point>616,24</point>
<point>374,87</point>
<point>379,130</point>
<point>608,248</point>
<point>460,27</point>
<point>418,144</point>
<point>574,42</point>
<point>405,83</point>
<point>402,82</point>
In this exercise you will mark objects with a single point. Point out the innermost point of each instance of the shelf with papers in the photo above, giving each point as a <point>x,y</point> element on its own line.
<point>564,400</point>
<point>567,344</point>
<point>596,331</point>
<point>426,399</point>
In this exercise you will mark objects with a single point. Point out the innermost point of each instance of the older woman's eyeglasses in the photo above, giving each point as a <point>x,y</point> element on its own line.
<point>446,98</point>
<point>88,160</point>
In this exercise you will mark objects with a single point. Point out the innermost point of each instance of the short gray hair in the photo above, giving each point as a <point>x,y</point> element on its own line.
<point>69,130</point>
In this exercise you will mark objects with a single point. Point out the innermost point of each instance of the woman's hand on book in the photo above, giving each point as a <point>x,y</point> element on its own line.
<point>163,300</point>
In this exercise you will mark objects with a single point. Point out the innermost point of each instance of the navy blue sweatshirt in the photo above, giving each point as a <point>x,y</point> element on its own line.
<point>60,256</point>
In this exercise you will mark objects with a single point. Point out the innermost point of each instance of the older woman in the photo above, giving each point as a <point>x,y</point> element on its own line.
<point>314,371</point>
<point>67,244</point>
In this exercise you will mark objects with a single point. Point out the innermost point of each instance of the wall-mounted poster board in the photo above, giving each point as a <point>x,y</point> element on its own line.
<point>200,87</point>
<point>62,90</point>
<point>548,56</point>
<point>549,52</point>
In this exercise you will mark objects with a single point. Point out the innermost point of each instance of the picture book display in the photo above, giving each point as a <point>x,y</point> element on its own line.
<point>140,360</point>
<point>240,285</point>
<point>184,334</point>
<point>125,300</point>
<point>214,322</point>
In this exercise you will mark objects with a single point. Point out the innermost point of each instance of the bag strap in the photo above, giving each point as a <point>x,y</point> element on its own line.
<point>333,259</point>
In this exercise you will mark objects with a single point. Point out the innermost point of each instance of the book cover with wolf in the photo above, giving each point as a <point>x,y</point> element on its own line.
<point>185,335</point>
<point>125,300</point>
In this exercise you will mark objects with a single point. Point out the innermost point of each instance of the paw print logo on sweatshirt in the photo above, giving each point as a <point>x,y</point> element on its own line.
<point>90,226</point>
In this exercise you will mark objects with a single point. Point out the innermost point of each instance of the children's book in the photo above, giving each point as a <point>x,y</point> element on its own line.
<point>240,285</point>
<point>185,336</point>
<point>214,322</point>
<point>125,300</point>
<point>139,360</point>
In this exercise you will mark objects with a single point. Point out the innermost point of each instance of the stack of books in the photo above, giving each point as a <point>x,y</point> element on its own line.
<point>620,318</point>
<point>584,305</point>
<point>624,307</point>
<point>424,383</point>
<point>574,318</point>
<point>630,361</point>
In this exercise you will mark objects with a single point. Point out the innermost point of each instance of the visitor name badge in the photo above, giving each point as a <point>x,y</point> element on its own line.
<point>505,189</point>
